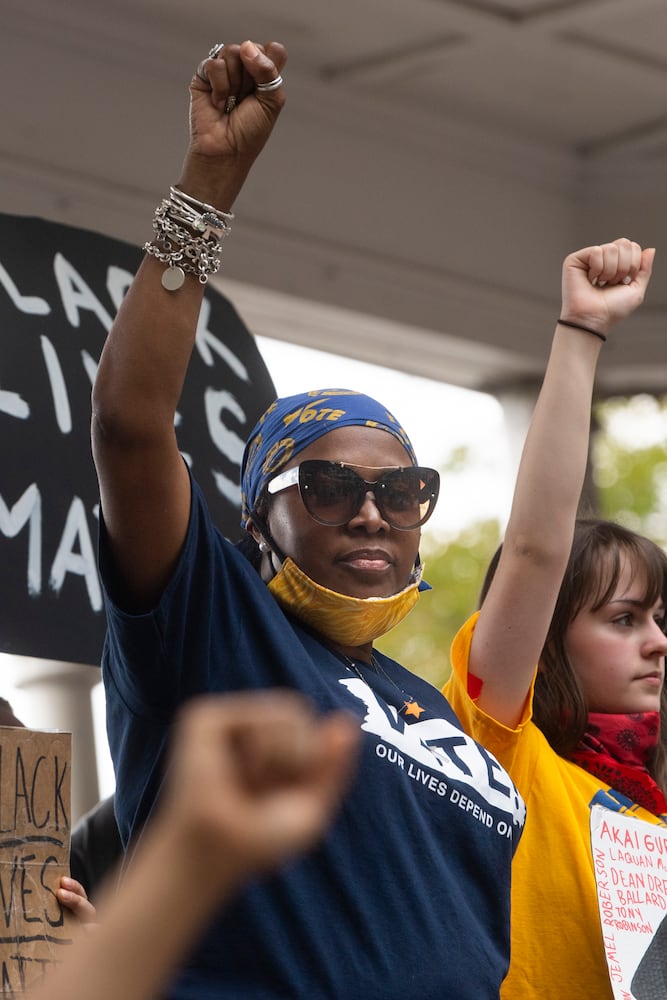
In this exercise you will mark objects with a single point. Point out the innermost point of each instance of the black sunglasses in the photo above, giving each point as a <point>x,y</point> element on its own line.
<point>333,493</point>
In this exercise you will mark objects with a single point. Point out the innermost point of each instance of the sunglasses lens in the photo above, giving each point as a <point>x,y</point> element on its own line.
<point>407,496</point>
<point>331,493</point>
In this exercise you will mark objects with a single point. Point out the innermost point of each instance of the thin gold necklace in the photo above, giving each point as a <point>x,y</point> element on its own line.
<point>409,706</point>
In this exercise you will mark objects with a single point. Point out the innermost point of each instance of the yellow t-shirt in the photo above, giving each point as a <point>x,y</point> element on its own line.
<point>557,947</point>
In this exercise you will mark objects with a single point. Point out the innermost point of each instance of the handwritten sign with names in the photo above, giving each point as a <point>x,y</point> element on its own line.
<point>60,289</point>
<point>34,855</point>
<point>630,858</point>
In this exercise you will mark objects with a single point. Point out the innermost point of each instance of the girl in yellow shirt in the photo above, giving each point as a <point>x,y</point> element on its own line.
<point>585,600</point>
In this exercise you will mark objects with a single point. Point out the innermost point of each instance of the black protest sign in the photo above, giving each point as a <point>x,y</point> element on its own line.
<point>34,855</point>
<point>59,291</point>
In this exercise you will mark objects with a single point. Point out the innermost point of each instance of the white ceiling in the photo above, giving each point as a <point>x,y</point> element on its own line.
<point>434,163</point>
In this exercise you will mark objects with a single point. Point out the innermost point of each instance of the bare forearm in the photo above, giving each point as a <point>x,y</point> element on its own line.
<point>146,927</point>
<point>146,356</point>
<point>517,610</point>
<point>144,361</point>
<point>555,454</point>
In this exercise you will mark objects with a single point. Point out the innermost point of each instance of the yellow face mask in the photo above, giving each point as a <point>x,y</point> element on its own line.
<point>350,621</point>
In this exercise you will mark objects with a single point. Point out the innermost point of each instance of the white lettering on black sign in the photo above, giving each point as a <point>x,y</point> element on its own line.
<point>60,289</point>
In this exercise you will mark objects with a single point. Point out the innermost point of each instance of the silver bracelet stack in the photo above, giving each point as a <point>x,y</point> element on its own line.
<point>188,238</point>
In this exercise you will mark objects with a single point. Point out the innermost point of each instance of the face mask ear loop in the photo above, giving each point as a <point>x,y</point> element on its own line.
<point>272,546</point>
<point>417,575</point>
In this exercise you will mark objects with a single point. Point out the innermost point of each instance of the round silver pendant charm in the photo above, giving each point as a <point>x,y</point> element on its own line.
<point>173,278</point>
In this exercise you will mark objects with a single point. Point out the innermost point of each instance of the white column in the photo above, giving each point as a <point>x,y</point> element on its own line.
<point>518,402</point>
<point>58,696</point>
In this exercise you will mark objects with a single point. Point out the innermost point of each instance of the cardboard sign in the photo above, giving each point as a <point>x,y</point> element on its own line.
<point>34,855</point>
<point>630,858</point>
<point>59,291</point>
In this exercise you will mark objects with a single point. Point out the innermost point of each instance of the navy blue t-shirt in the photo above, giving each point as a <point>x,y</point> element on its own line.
<point>408,894</point>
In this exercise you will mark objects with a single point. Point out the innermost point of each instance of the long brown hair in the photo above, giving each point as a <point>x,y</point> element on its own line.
<point>599,549</point>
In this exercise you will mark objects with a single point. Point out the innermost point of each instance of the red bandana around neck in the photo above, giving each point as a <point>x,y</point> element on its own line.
<point>617,748</point>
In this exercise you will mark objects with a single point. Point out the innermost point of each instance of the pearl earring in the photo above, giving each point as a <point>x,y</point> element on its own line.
<point>263,547</point>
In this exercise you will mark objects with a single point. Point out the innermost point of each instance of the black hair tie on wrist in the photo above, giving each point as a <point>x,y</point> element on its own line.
<point>579,326</point>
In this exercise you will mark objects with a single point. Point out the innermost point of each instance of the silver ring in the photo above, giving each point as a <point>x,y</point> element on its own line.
<point>230,104</point>
<point>213,54</point>
<point>271,85</point>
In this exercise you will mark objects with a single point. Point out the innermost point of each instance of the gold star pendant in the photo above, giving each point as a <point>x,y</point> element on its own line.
<point>413,708</point>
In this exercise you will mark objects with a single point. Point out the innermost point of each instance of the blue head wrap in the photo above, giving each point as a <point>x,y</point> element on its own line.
<point>292,423</point>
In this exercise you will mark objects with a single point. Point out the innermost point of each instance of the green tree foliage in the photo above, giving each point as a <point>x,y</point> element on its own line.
<point>455,570</point>
<point>630,464</point>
